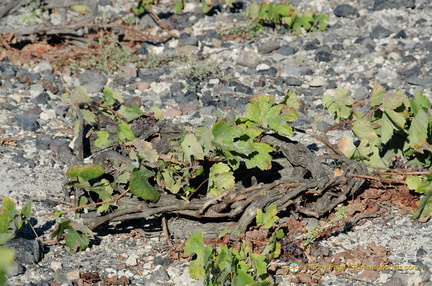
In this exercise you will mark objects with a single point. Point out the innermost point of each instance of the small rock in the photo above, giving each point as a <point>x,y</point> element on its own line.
<point>425,82</point>
<point>369,275</point>
<point>394,56</point>
<point>16,269</point>
<point>290,70</point>
<point>56,265</point>
<point>272,72</point>
<point>159,274</point>
<point>93,81</point>
<point>345,10</point>
<point>317,82</point>
<point>43,142</point>
<point>188,41</point>
<point>141,86</point>
<point>188,49</point>
<point>146,22</point>
<point>158,260</point>
<point>239,87</point>
<point>268,46</point>
<point>248,59</point>
<point>131,260</point>
<point>73,275</point>
<point>286,50</point>
<point>400,35</point>
<point>172,113</point>
<point>421,252</point>
<point>142,50</point>
<point>380,32</point>
<point>312,45</point>
<point>127,72</point>
<point>207,99</point>
<point>323,56</point>
<point>393,4</point>
<point>411,73</point>
<point>42,98</point>
<point>28,251</point>
<point>36,89</point>
<point>293,81</point>
<point>43,66</point>
<point>28,122</point>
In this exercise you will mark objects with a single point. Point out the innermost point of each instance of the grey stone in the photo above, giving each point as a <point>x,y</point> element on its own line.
<point>345,10</point>
<point>159,275</point>
<point>248,59</point>
<point>239,87</point>
<point>413,72</point>
<point>361,93</point>
<point>292,81</point>
<point>268,72</point>
<point>312,45</point>
<point>207,99</point>
<point>323,56</point>
<point>291,70</point>
<point>43,142</point>
<point>7,71</point>
<point>28,251</point>
<point>393,4</point>
<point>93,81</point>
<point>421,252</point>
<point>164,261</point>
<point>268,47</point>
<point>286,50</point>
<point>189,41</point>
<point>42,98</point>
<point>28,122</point>
<point>43,66</point>
<point>421,81</point>
<point>395,281</point>
<point>380,32</point>
<point>146,22</point>
<point>400,35</point>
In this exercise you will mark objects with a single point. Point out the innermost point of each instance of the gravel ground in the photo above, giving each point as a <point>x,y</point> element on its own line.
<point>385,41</point>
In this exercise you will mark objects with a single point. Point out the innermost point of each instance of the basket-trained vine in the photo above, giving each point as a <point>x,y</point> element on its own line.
<point>139,165</point>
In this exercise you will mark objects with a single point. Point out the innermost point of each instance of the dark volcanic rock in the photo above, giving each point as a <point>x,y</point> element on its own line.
<point>393,4</point>
<point>380,32</point>
<point>345,10</point>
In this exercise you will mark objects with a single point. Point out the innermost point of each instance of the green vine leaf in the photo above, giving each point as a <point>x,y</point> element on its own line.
<point>78,95</point>
<point>418,130</point>
<point>267,218</point>
<point>130,113</point>
<point>76,241</point>
<point>195,244</point>
<point>110,97</point>
<point>262,111</point>
<point>363,129</point>
<point>140,186</point>
<point>124,133</point>
<point>423,186</point>
<point>346,145</point>
<point>192,148</point>
<point>221,178</point>
<point>102,141</point>
<point>88,115</point>
<point>86,172</point>
<point>340,104</point>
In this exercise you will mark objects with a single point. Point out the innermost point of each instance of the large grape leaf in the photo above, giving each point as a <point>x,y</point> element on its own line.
<point>221,178</point>
<point>195,244</point>
<point>192,148</point>
<point>86,172</point>
<point>140,186</point>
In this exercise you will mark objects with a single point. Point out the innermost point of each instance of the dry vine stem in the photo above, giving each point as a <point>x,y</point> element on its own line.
<point>306,188</point>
